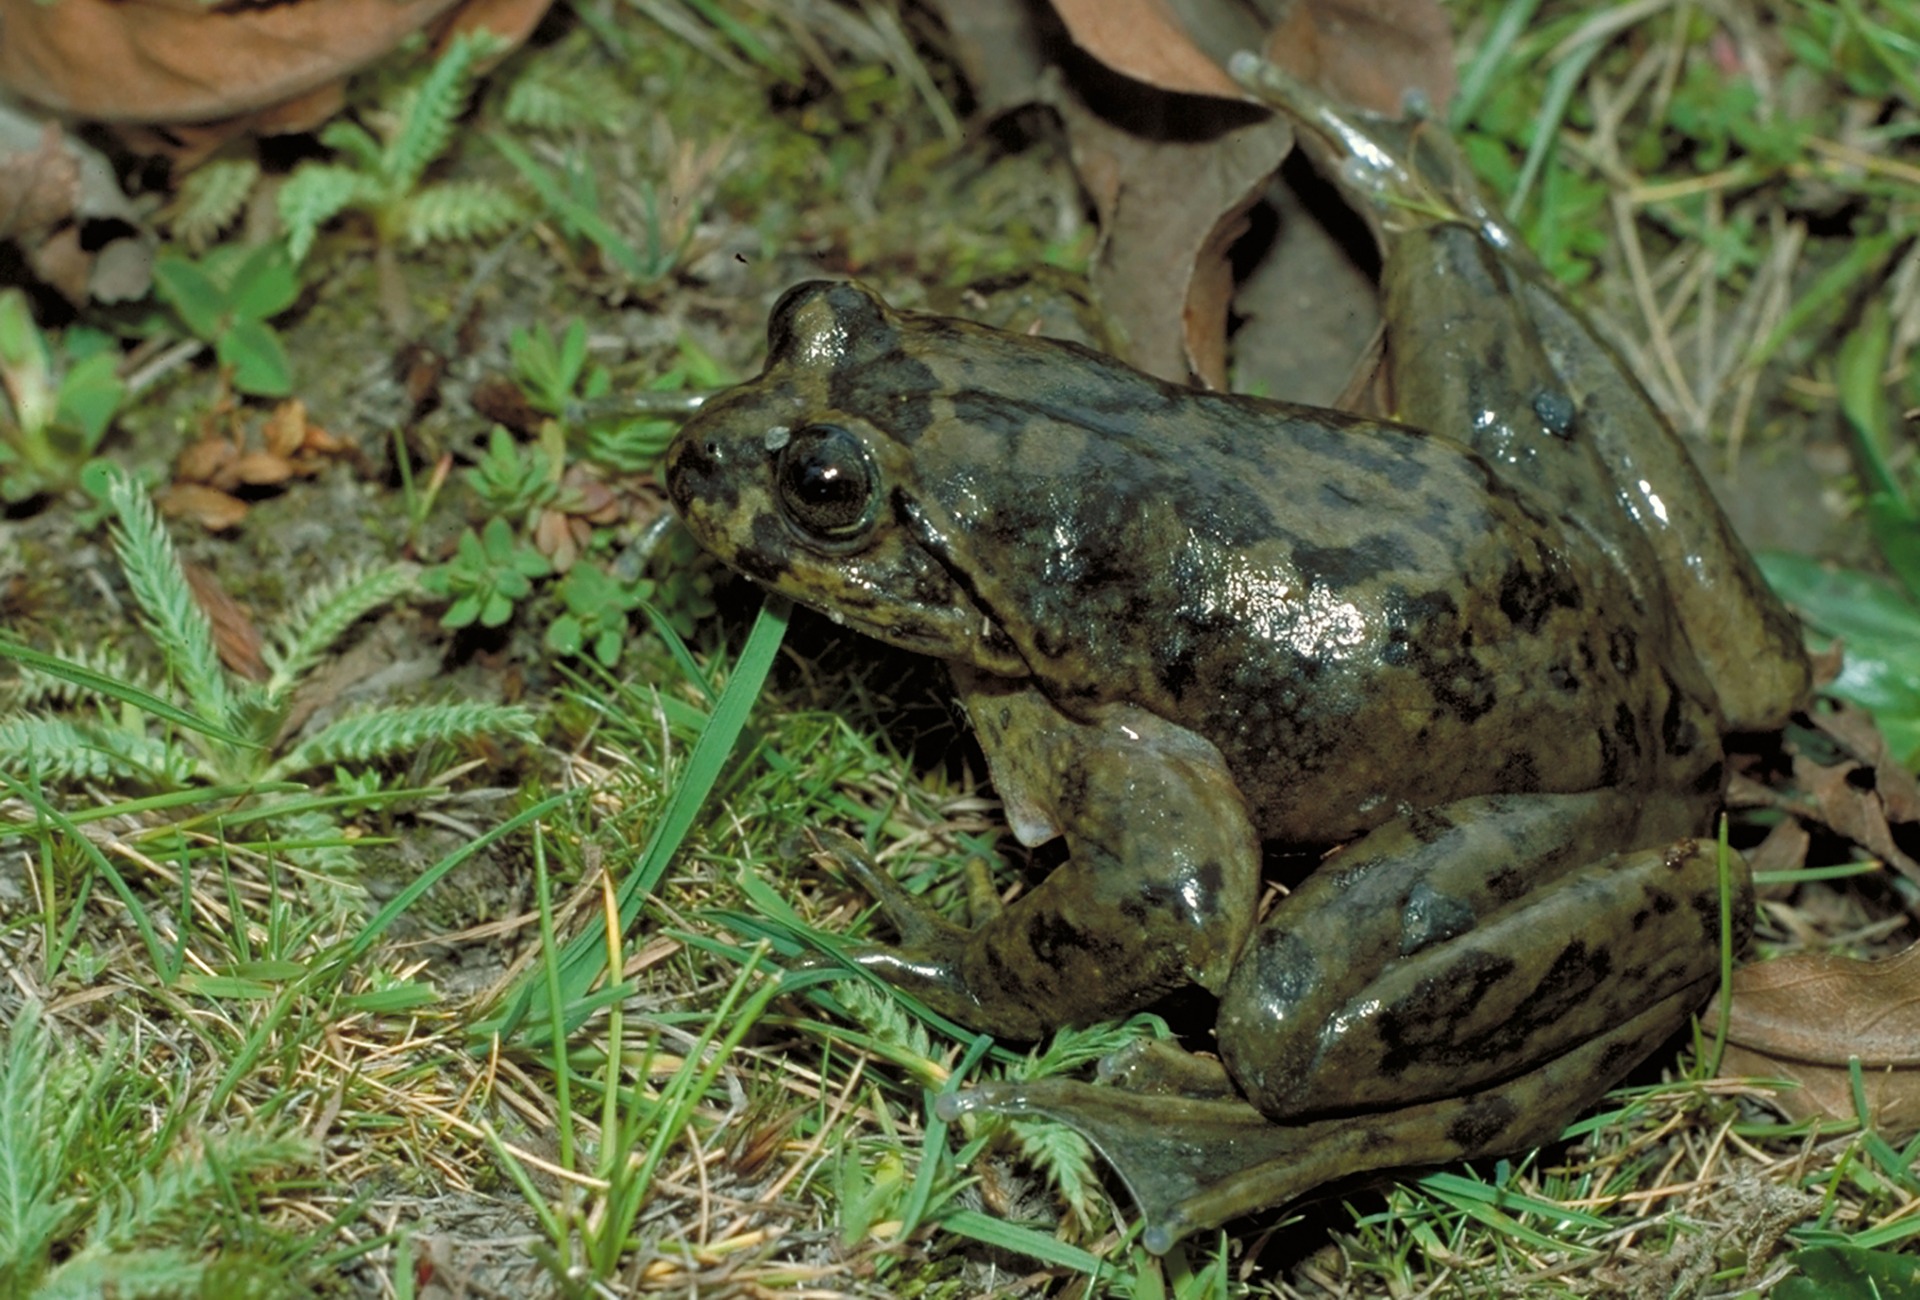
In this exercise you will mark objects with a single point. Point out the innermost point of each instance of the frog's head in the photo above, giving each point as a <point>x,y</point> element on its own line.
<point>805,479</point>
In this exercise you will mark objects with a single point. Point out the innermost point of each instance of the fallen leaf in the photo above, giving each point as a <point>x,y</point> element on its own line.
<point>285,429</point>
<point>1370,53</point>
<point>61,204</point>
<point>1847,799</point>
<point>1170,206</point>
<point>1174,175</point>
<point>219,72</point>
<point>235,638</point>
<point>1803,1017</point>
<point>209,507</point>
<point>1148,41</point>
<point>206,459</point>
<point>1784,849</point>
<point>999,47</point>
<point>1855,731</point>
<point>260,469</point>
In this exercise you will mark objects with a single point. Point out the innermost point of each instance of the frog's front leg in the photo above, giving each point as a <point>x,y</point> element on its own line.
<point>1159,889</point>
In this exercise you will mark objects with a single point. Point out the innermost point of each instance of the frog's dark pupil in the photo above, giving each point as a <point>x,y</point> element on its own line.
<point>826,481</point>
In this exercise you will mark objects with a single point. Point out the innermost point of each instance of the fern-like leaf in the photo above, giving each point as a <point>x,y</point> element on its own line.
<point>1066,1160</point>
<point>168,1271</point>
<point>31,1152</point>
<point>315,194</point>
<point>559,99</point>
<point>159,1204</point>
<point>428,113</point>
<point>455,210</point>
<point>210,199</point>
<point>323,615</point>
<point>178,626</point>
<point>59,750</point>
<point>365,736</point>
<point>353,140</point>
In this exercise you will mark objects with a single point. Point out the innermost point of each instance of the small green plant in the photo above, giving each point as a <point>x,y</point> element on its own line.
<point>512,481</point>
<point>57,414</point>
<point>227,299</point>
<point>573,199</point>
<point>87,717</point>
<point>595,619</point>
<point>382,171</point>
<point>209,199</point>
<point>491,571</point>
<point>553,372</point>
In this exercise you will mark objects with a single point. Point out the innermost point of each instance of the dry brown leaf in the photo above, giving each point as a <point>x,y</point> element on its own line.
<point>235,638</point>
<point>1148,41</point>
<point>998,46</point>
<point>260,469</point>
<point>1166,203</point>
<point>1855,731</point>
<point>1370,53</point>
<point>209,507</point>
<point>1174,174</point>
<point>285,430</point>
<point>1847,799</point>
<point>61,203</point>
<point>1784,849</point>
<point>264,69</point>
<point>206,460</point>
<point>1802,1018</point>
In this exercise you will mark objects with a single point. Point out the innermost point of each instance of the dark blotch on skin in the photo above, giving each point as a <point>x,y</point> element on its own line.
<point>1622,652</point>
<point>1345,567</point>
<point>765,561</point>
<point>1530,592</point>
<point>1575,972</point>
<point>1428,824</point>
<point>1479,1125</point>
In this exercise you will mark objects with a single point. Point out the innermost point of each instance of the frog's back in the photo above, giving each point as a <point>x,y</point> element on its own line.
<point>1343,607</point>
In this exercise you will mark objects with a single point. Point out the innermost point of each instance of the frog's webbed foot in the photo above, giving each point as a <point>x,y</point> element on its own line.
<point>1193,1163</point>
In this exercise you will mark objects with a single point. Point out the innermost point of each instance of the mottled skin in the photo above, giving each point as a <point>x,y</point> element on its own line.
<point>1496,669</point>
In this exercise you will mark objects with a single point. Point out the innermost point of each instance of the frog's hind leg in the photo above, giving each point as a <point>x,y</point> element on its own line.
<point>1468,944</point>
<point>1192,1163</point>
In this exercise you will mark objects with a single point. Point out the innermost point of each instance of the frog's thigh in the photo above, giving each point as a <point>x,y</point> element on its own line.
<point>1464,945</point>
<point>1163,871</point>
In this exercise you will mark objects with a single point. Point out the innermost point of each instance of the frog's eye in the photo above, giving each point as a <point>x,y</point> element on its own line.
<point>829,487</point>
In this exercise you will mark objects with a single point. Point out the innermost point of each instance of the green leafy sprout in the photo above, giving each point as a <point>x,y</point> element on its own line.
<point>56,414</point>
<point>382,171</point>
<point>491,571</point>
<point>227,299</point>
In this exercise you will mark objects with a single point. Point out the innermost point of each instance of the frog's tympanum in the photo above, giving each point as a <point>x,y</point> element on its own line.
<point>1489,652</point>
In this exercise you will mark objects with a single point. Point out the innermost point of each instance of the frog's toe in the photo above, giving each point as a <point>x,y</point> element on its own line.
<point>918,926</point>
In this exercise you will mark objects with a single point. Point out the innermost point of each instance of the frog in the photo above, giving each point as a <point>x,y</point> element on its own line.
<point>1481,655</point>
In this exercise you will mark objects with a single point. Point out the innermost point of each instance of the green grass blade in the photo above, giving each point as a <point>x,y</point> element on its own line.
<point>86,678</point>
<point>585,956</point>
